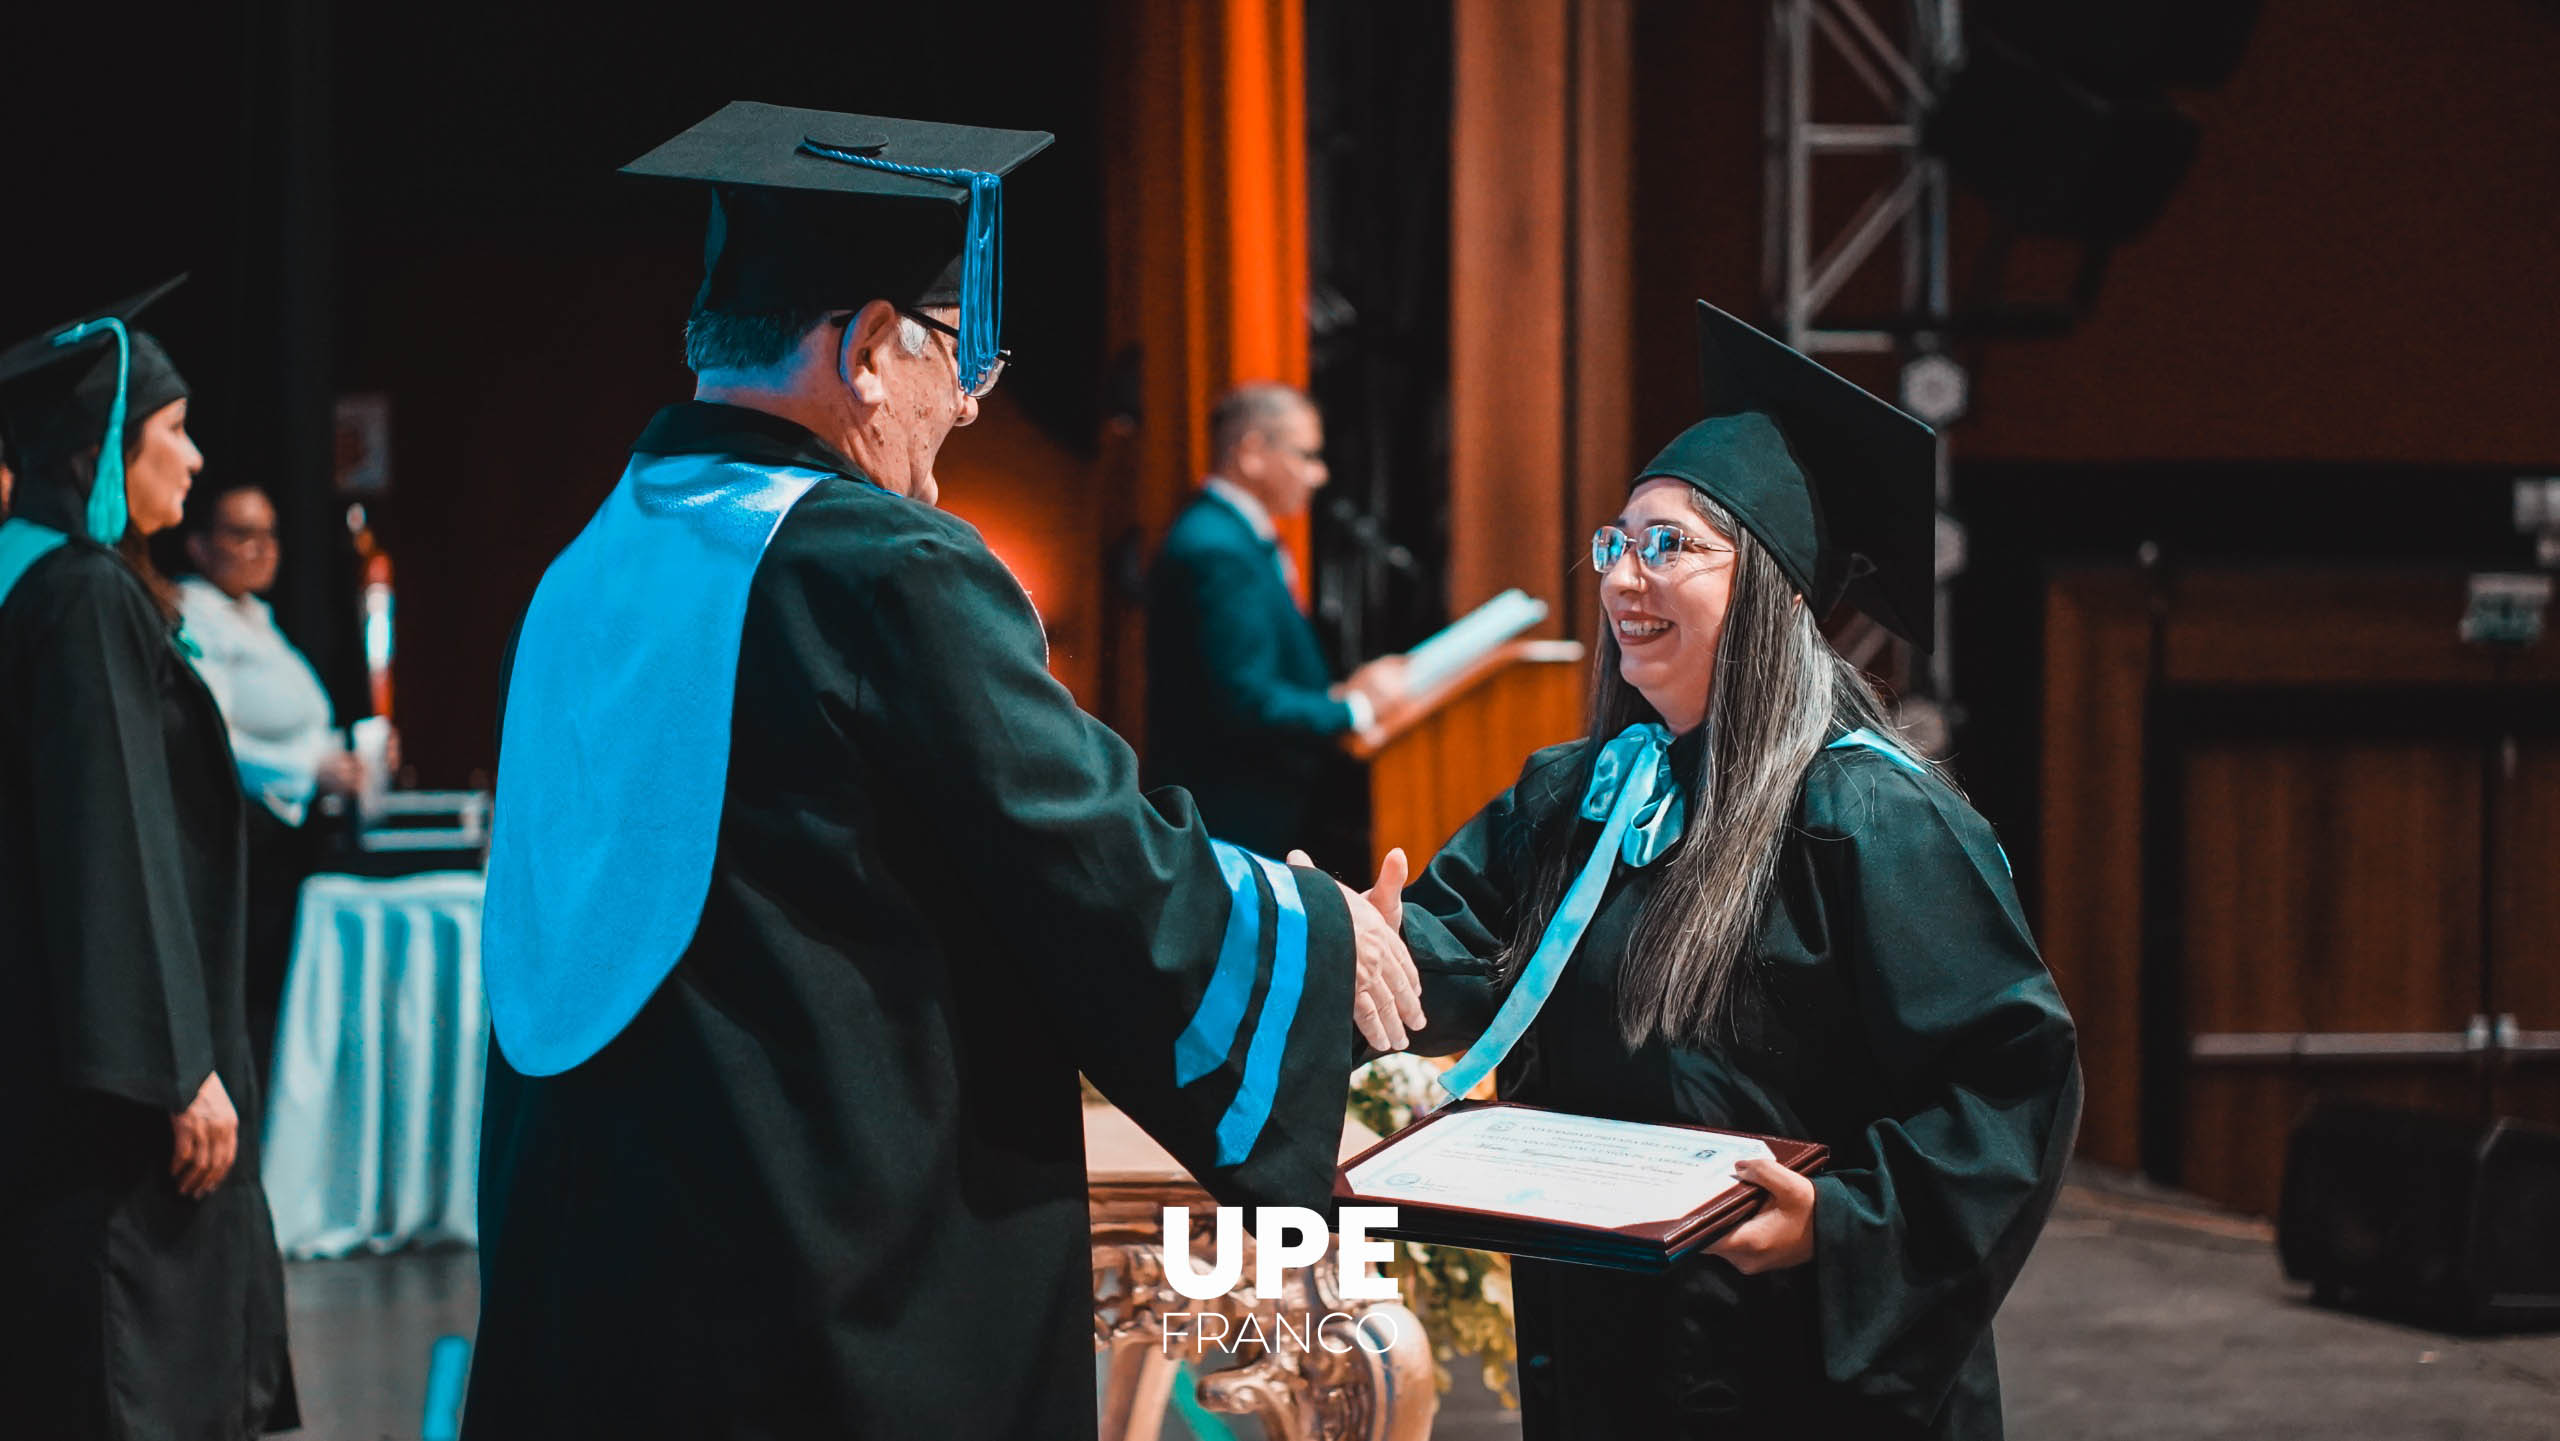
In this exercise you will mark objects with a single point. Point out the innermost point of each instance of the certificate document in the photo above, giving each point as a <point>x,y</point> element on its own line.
<point>1535,1182</point>
<point>1553,1166</point>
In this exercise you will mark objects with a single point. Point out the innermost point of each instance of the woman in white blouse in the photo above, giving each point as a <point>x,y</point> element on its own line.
<point>278,711</point>
<point>279,717</point>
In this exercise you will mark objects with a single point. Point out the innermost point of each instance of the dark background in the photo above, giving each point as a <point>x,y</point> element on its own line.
<point>2337,341</point>
<point>422,202</point>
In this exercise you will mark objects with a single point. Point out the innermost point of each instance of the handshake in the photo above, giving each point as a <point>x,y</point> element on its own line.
<point>1386,994</point>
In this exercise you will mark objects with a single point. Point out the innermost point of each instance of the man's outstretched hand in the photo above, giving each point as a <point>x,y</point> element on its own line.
<point>1386,998</point>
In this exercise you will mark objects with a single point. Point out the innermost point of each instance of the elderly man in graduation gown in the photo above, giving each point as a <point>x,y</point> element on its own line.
<point>811,892</point>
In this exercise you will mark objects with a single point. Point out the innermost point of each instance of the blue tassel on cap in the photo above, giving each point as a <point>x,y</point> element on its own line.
<point>107,514</point>
<point>981,255</point>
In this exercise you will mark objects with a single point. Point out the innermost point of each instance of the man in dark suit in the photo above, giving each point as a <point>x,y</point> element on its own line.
<point>1242,709</point>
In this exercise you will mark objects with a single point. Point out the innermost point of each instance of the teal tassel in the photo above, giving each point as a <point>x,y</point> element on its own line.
<point>981,253</point>
<point>107,515</point>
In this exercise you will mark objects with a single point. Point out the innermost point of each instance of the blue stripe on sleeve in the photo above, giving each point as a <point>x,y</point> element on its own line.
<point>1204,1044</point>
<point>1242,1124</point>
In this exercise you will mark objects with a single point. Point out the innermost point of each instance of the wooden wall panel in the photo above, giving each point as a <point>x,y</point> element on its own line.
<point>2524,922</point>
<point>2329,886</point>
<point>1541,294</point>
<point>2089,910</point>
<point>2377,628</point>
<point>2332,885</point>
<point>1602,338</point>
<point>2323,228</point>
<point>1509,196</point>
<point>2238,1118</point>
<point>1205,207</point>
<point>1432,778</point>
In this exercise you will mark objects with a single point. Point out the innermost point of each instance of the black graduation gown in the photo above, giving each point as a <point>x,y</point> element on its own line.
<point>1894,1009</point>
<point>131,1311</point>
<point>830,1181</point>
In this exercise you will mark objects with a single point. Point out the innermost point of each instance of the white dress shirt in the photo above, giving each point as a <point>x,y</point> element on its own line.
<point>1363,714</point>
<point>272,701</point>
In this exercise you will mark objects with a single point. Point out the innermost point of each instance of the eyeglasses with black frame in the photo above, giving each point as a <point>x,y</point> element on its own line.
<point>1654,545</point>
<point>994,372</point>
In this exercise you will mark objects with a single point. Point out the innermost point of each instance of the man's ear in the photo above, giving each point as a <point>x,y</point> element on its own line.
<point>1251,448</point>
<point>869,338</point>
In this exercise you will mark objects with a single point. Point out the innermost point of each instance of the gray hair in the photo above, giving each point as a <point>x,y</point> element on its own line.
<point>913,339</point>
<point>1252,408</point>
<point>1780,692</point>
<point>761,340</point>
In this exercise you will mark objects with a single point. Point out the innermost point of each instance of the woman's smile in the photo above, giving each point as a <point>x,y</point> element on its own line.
<point>1636,628</point>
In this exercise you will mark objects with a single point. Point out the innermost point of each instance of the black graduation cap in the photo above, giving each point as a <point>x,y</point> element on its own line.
<point>83,383</point>
<point>815,210</point>
<point>1838,485</point>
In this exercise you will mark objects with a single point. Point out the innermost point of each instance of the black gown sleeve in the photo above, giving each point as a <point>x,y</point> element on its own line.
<point>1461,912</point>
<point>1923,1220</point>
<point>127,974</point>
<point>1205,991</point>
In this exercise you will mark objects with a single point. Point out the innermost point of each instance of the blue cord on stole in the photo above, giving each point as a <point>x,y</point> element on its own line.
<point>1638,799</point>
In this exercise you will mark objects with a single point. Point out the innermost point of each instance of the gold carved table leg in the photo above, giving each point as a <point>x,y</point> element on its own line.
<point>1312,1366</point>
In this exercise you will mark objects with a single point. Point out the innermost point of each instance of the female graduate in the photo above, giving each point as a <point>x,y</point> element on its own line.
<point>1797,927</point>
<point>139,1281</point>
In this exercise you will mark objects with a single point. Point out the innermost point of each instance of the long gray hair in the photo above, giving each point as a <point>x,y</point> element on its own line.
<point>1780,694</point>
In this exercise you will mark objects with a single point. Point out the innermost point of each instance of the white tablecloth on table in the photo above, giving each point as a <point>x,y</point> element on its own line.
<point>373,1107</point>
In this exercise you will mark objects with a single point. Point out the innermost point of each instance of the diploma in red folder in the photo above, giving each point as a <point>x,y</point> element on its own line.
<point>1498,1176</point>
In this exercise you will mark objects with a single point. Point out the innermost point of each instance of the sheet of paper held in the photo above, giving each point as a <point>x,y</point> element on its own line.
<point>1552,1166</point>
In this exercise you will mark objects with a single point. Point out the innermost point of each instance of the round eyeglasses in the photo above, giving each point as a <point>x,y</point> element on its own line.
<point>1655,545</point>
<point>995,370</point>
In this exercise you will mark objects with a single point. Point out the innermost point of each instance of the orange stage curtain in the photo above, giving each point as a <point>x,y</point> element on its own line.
<point>1206,213</point>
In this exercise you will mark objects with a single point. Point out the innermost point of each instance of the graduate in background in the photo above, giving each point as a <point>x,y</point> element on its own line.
<point>811,892</point>
<point>139,1283</point>
<point>1797,927</point>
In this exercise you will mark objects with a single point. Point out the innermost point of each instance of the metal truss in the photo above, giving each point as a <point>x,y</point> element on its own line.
<point>1900,76</point>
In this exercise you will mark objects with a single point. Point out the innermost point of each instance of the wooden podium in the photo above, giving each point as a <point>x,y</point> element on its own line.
<point>1436,757</point>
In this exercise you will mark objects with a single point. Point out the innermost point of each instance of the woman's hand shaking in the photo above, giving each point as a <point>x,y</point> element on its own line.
<point>1386,996</point>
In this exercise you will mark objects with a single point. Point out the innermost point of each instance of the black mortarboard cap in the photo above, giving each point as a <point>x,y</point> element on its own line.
<point>816,210</point>
<point>64,388</point>
<point>1838,486</point>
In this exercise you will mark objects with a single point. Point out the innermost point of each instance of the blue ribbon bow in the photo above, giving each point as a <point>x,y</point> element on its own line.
<point>1659,806</point>
<point>1636,797</point>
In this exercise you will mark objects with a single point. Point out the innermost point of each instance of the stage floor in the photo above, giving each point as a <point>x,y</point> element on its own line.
<point>2143,1315</point>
